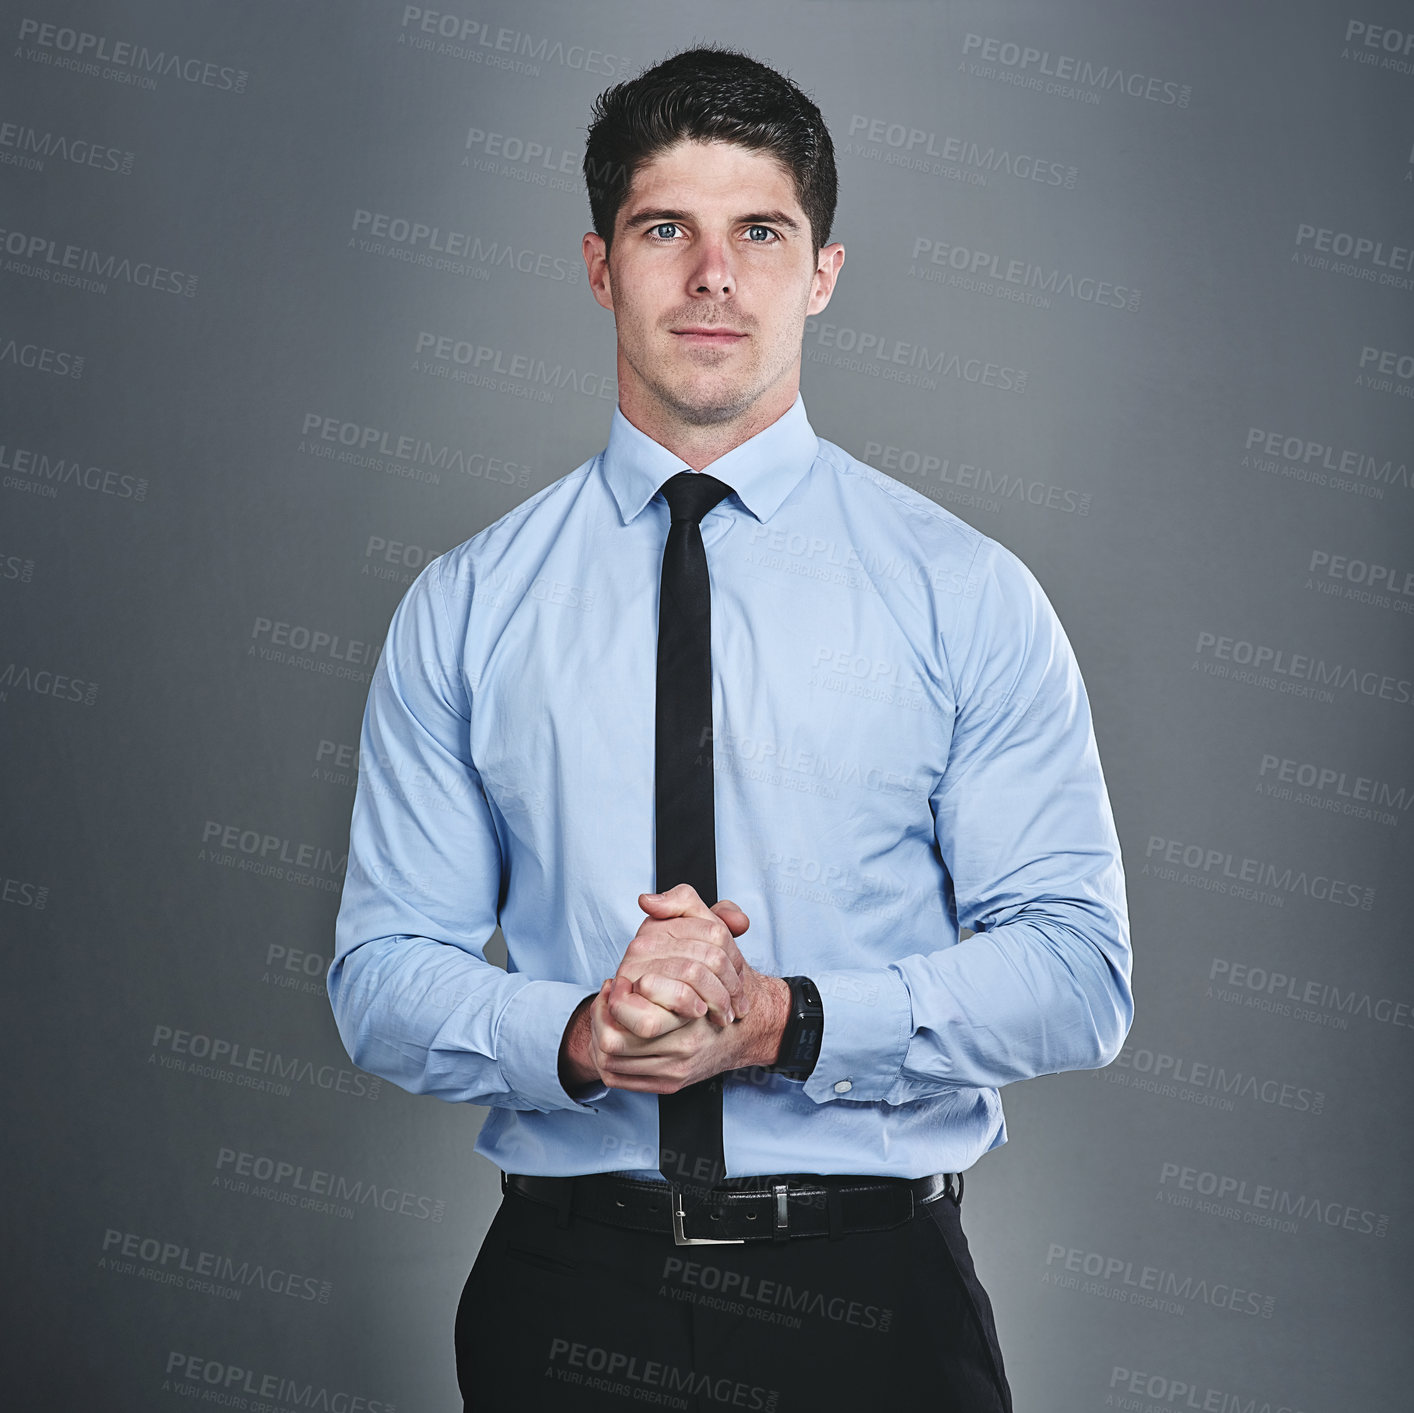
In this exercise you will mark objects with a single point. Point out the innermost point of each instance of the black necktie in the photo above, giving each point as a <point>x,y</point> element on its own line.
<point>690,1121</point>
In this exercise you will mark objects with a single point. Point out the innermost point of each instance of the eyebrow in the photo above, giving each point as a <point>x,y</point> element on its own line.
<point>755,218</point>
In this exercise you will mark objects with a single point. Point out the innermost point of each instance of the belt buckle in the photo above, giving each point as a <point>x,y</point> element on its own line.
<point>680,1237</point>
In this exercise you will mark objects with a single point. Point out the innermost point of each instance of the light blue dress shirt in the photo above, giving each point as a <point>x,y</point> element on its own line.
<point>902,748</point>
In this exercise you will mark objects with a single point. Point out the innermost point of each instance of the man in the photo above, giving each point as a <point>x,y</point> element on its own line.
<point>897,747</point>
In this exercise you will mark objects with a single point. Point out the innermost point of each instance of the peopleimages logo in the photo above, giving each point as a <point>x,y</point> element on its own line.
<point>400,453</point>
<point>42,473</point>
<point>1386,370</point>
<point>230,1385</point>
<point>21,893</point>
<point>527,159</point>
<point>272,848</point>
<point>1361,257</point>
<point>395,561</point>
<point>1022,281</point>
<point>999,486</point>
<point>878,355</point>
<point>1205,1083</point>
<point>524,374</point>
<point>1317,1002</point>
<point>1133,1391</point>
<point>125,60</point>
<point>1120,1279</point>
<point>1330,788</point>
<point>41,359</point>
<point>1362,580</point>
<point>772,1301</point>
<point>45,682</point>
<point>1296,674</point>
<point>293,1184</point>
<point>630,1375</point>
<point>499,46</point>
<point>42,257</point>
<point>313,649</point>
<point>985,56</point>
<point>1263,1205</point>
<point>175,1263</point>
<point>443,248</point>
<point>934,153</point>
<point>252,1067</point>
<point>1379,46</point>
<point>17,568</point>
<point>27,147</point>
<point>1222,871</point>
<point>1323,463</point>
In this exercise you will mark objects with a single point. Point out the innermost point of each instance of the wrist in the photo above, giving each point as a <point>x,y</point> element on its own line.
<point>773,1003</point>
<point>577,1070</point>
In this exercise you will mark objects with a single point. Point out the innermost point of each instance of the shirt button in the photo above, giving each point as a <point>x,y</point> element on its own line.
<point>843,1086</point>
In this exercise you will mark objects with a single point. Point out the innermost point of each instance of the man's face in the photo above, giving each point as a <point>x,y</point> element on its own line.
<point>710,280</point>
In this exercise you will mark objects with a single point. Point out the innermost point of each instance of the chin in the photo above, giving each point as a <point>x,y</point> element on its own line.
<point>704,407</point>
<point>710,414</point>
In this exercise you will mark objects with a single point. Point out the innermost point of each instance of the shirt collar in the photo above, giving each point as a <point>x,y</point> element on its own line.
<point>763,470</point>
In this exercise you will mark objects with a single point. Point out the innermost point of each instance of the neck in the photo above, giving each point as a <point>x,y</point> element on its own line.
<point>696,445</point>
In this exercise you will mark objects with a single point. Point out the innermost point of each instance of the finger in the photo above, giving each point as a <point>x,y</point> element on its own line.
<point>737,921</point>
<point>693,932</point>
<point>677,985</point>
<point>674,1058</point>
<point>664,952</point>
<point>648,1074</point>
<point>640,1057</point>
<point>687,988</point>
<point>681,900</point>
<point>664,1073</point>
<point>640,1017</point>
<point>654,1085</point>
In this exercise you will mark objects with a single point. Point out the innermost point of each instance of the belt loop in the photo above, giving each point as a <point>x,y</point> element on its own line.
<point>958,1199</point>
<point>505,1182</point>
<point>564,1199</point>
<point>834,1204</point>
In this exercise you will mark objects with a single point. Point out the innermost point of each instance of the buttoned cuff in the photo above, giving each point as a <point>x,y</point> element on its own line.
<point>528,1044</point>
<point>868,1025</point>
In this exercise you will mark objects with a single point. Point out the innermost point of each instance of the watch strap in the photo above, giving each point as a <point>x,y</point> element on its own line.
<point>804,1030</point>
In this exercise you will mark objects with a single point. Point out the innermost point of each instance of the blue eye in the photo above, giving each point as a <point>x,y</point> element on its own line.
<point>665,226</point>
<point>767,229</point>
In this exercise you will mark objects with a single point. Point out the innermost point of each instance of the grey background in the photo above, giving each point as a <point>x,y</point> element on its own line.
<point>160,738</point>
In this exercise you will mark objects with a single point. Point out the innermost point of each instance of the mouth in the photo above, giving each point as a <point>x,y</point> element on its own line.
<point>706,337</point>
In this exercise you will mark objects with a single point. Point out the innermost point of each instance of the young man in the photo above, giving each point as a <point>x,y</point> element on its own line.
<point>646,677</point>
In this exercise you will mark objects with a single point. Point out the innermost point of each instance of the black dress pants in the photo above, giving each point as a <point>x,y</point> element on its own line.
<point>596,1317</point>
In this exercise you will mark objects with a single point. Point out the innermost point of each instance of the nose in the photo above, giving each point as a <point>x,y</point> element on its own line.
<point>712,274</point>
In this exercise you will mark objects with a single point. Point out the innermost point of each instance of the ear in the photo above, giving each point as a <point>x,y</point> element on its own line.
<point>827,271</point>
<point>596,264</point>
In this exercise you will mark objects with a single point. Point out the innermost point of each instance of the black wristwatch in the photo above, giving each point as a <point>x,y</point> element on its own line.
<point>805,1028</point>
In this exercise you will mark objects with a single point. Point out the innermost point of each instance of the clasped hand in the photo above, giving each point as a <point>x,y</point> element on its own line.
<point>677,1009</point>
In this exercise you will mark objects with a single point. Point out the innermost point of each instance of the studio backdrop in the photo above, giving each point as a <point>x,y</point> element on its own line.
<point>291,301</point>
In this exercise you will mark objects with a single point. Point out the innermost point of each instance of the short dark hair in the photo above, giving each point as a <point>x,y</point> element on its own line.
<point>708,94</point>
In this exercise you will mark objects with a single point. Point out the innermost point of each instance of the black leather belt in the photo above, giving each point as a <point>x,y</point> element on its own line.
<point>771,1208</point>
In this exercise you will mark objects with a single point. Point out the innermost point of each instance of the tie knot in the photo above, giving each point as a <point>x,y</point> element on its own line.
<point>691,494</point>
